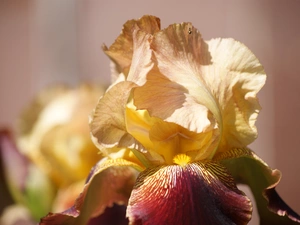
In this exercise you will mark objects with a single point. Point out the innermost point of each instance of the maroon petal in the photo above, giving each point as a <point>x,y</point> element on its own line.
<point>115,215</point>
<point>278,206</point>
<point>198,193</point>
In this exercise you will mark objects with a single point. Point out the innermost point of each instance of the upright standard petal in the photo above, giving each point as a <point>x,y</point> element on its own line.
<point>121,51</point>
<point>196,193</point>
<point>234,77</point>
<point>177,84</point>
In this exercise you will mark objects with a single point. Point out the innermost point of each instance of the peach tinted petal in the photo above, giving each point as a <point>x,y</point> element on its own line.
<point>178,107</point>
<point>121,51</point>
<point>141,60</point>
<point>110,181</point>
<point>198,193</point>
<point>178,50</point>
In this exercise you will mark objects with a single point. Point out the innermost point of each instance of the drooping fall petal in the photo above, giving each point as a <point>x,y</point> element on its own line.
<point>247,168</point>
<point>110,182</point>
<point>196,193</point>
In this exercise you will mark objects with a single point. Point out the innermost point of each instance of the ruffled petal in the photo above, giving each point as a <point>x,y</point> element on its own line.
<point>218,79</point>
<point>178,51</point>
<point>176,106</point>
<point>121,51</point>
<point>107,123</point>
<point>110,181</point>
<point>234,77</point>
<point>248,168</point>
<point>177,85</point>
<point>197,193</point>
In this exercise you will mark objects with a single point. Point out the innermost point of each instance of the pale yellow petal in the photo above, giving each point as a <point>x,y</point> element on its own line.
<point>170,139</point>
<point>234,78</point>
<point>139,124</point>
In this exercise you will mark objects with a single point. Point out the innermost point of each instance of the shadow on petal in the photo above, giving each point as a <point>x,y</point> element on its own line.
<point>247,168</point>
<point>115,215</point>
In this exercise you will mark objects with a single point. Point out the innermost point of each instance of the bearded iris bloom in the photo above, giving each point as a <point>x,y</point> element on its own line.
<point>174,129</point>
<point>35,161</point>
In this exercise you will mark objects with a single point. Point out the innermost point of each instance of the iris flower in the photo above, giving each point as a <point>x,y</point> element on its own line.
<point>52,127</point>
<point>174,129</point>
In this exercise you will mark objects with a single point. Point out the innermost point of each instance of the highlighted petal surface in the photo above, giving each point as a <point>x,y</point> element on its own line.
<point>234,78</point>
<point>110,182</point>
<point>197,193</point>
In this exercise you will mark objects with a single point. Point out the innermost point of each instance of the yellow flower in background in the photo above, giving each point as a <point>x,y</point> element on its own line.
<point>174,129</point>
<point>57,139</point>
<point>53,155</point>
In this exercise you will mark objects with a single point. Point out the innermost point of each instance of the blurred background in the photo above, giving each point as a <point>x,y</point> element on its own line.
<point>45,42</point>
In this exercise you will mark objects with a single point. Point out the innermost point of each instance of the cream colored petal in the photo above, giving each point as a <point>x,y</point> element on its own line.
<point>172,102</point>
<point>107,122</point>
<point>59,138</point>
<point>121,51</point>
<point>30,114</point>
<point>234,78</point>
<point>222,75</point>
<point>179,53</point>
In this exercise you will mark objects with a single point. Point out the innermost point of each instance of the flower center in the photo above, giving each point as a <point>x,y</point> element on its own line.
<point>182,159</point>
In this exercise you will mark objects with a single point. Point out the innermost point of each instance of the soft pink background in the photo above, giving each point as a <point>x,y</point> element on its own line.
<point>43,42</point>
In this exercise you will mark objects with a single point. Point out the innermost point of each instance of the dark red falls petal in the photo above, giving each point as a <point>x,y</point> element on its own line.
<point>278,206</point>
<point>115,215</point>
<point>199,193</point>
